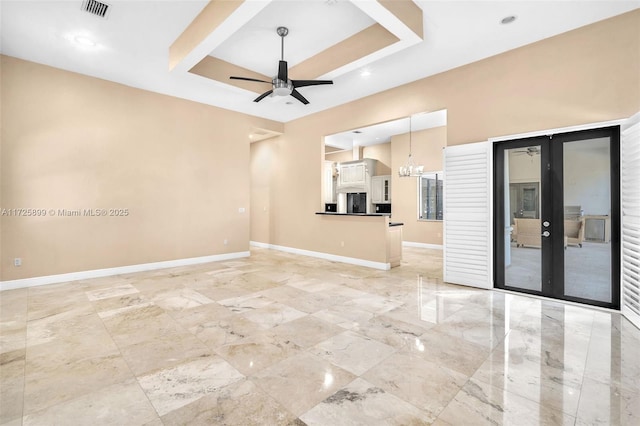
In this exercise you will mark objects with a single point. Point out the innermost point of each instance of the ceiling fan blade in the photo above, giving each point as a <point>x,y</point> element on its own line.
<point>299,97</point>
<point>249,79</point>
<point>264,95</point>
<point>283,72</point>
<point>304,83</point>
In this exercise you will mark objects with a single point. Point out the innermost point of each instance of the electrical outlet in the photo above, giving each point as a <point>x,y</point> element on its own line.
<point>341,243</point>
<point>241,210</point>
<point>17,261</point>
<point>226,242</point>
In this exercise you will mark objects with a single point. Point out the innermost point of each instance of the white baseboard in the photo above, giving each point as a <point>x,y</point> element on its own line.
<point>422,245</point>
<point>326,256</point>
<point>98,273</point>
<point>259,244</point>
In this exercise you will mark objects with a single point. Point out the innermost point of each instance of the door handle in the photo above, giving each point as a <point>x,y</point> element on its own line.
<point>546,233</point>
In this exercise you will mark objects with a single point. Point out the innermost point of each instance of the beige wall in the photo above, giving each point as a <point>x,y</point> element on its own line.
<point>73,142</point>
<point>340,156</point>
<point>584,76</point>
<point>382,153</point>
<point>426,149</point>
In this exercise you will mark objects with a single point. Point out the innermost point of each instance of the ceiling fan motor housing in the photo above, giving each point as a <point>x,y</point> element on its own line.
<point>281,87</point>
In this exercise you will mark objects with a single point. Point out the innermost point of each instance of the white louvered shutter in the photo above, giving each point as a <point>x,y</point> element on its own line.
<point>630,200</point>
<point>468,242</point>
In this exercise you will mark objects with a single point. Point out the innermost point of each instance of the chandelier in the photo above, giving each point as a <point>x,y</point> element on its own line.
<point>409,169</point>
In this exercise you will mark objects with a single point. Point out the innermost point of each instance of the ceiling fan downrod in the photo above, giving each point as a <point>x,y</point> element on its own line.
<point>282,32</point>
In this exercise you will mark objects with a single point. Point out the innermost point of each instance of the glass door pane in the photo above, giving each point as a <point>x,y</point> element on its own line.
<point>522,251</point>
<point>587,219</point>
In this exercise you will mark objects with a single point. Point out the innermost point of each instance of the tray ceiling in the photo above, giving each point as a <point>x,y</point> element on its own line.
<point>132,44</point>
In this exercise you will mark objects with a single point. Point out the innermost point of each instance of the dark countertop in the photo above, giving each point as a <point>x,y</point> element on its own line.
<point>360,214</point>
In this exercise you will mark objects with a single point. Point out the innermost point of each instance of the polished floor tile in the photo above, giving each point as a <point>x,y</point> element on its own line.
<point>107,293</point>
<point>261,350</point>
<point>480,403</point>
<point>273,314</point>
<point>602,404</point>
<point>362,403</point>
<point>241,403</point>
<point>306,331</point>
<point>175,387</point>
<point>50,382</point>
<point>12,365</point>
<point>281,339</point>
<point>352,351</point>
<point>97,408</point>
<point>424,384</point>
<point>312,378</point>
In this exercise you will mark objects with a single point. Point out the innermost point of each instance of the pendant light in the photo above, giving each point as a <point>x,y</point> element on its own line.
<point>409,169</point>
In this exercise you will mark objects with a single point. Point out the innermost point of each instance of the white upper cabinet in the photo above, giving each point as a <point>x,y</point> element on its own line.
<point>353,174</point>
<point>381,189</point>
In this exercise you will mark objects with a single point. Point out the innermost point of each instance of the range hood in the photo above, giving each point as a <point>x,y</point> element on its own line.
<point>355,176</point>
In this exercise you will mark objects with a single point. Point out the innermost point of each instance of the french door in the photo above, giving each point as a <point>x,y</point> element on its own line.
<point>560,236</point>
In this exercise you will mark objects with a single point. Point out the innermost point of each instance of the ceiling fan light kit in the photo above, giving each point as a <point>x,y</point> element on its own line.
<point>282,88</point>
<point>281,85</point>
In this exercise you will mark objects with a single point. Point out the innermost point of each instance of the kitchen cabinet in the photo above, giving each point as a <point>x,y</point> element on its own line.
<point>353,174</point>
<point>381,189</point>
<point>329,182</point>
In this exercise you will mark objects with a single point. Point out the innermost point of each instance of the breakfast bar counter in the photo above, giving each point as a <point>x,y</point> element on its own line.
<point>391,233</point>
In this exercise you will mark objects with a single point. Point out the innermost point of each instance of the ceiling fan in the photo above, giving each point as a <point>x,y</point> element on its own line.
<point>281,85</point>
<point>530,151</point>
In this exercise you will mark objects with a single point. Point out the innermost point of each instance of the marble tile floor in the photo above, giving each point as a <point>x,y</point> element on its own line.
<point>280,339</point>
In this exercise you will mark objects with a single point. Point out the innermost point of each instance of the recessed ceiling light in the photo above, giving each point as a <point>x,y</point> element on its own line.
<point>288,103</point>
<point>507,19</point>
<point>365,73</point>
<point>84,41</point>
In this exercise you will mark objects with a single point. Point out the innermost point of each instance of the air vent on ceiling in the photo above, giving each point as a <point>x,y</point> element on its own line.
<point>96,8</point>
